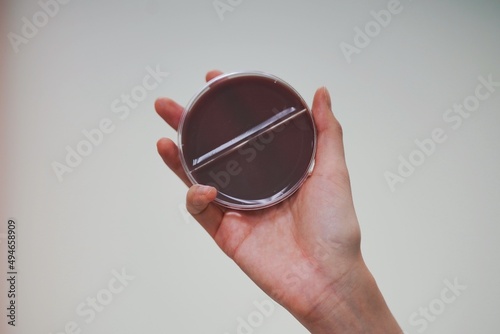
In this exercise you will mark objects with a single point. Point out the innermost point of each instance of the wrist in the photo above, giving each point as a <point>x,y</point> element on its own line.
<point>353,304</point>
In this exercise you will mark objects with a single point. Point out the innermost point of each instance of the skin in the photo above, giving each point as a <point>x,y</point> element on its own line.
<point>305,251</point>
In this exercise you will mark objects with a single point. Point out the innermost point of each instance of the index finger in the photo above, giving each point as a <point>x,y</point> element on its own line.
<point>169,110</point>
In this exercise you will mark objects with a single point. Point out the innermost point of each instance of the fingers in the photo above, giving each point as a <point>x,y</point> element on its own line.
<point>169,110</point>
<point>199,204</point>
<point>330,146</point>
<point>212,74</point>
<point>170,155</point>
<point>199,197</point>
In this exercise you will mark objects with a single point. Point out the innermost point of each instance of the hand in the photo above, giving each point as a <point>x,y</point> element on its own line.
<point>305,251</point>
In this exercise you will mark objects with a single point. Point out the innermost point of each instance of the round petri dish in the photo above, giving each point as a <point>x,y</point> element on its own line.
<point>251,136</point>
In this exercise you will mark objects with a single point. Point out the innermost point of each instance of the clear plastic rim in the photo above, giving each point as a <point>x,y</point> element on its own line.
<point>276,199</point>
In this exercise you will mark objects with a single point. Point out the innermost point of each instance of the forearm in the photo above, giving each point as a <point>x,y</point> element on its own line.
<point>356,305</point>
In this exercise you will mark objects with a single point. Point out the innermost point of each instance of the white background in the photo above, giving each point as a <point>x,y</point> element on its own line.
<point>120,209</point>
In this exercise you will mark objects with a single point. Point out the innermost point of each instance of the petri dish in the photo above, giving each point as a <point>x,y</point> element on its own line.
<point>251,136</point>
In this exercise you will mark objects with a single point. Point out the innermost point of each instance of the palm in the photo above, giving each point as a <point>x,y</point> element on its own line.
<point>279,247</point>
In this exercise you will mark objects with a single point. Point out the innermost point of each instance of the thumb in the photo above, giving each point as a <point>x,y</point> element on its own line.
<point>199,204</point>
<point>330,159</point>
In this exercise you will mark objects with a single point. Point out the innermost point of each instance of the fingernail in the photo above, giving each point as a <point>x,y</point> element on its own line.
<point>198,199</point>
<point>203,190</point>
<point>327,97</point>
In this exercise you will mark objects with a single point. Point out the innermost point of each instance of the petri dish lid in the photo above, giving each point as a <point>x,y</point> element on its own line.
<point>251,136</point>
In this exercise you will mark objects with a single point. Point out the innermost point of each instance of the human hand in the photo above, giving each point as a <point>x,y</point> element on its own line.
<point>305,251</point>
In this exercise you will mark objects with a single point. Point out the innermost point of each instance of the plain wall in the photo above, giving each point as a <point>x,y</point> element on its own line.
<point>121,209</point>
